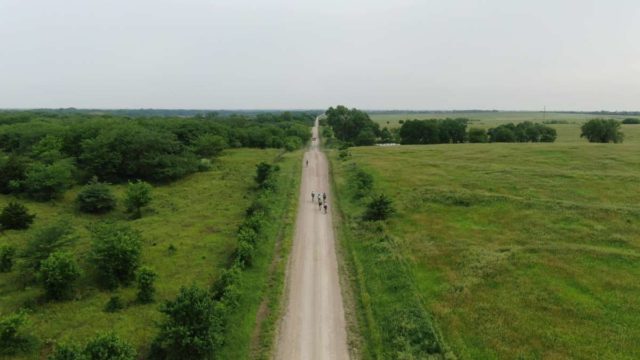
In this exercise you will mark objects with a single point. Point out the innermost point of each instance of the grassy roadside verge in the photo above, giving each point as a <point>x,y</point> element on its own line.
<point>251,327</point>
<point>390,315</point>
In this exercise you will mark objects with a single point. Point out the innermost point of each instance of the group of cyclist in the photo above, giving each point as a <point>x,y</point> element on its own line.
<point>322,200</point>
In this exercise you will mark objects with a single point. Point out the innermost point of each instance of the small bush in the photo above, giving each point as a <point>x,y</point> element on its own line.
<point>631,121</point>
<point>187,332</point>
<point>244,253</point>
<point>96,198</point>
<point>12,340</point>
<point>115,253</point>
<point>146,288</point>
<point>15,216</point>
<point>44,182</point>
<point>263,172</point>
<point>477,135</point>
<point>138,196</point>
<point>362,183</point>
<point>46,241</point>
<point>109,347</point>
<point>602,131</point>
<point>13,171</point>
<point>380,208</point>
<point>114,304</point>
<point>58,274</point>
<point>344,154</point>
<point>204,165</point>
<point>7,254</point>
<point>67,352</point>
<point>209,145</point>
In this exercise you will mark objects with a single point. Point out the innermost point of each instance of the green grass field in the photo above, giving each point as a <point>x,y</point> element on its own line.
<point>568,132</point>
<point>198,215</point>
<point>519,251</point>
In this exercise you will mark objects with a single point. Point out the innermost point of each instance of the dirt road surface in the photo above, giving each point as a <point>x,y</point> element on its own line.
<point>313,326</point>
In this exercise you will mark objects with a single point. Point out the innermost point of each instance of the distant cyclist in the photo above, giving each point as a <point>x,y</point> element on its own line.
<point>319,204</point>
<point>313,195</point>
<point>324,196</point>
<point>307,162</point>
<point>325,208</point>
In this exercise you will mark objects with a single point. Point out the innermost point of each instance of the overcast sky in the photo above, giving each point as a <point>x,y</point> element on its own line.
<point>372,54</point>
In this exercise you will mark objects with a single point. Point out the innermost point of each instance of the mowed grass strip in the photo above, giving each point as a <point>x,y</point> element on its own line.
<point>518,250</point>
<point>198,215</point>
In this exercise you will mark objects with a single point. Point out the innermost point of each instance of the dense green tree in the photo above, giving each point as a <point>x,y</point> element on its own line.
<point>188,330</point>
<point>67,352</point>
<point>96,198</point>
<point>602,131</point>
<point>263,173</point>
<point>631,121</point>
<point>146,285</point>
<point>58,274</point>
<point>477,135</point>
<point>15,216</point>
<point>13,171</point>
<point>47,240</point>
<point>210,145</point>
<point>380,208</point>
<point>115,253</point>
<point>109,347</point>
<point>352,125</point>
<point>45,182</point>
<point>48,149</point>
<point>7,254</point>
<point>502,133</point>
<point>138,195</point>
<point>420,132</point>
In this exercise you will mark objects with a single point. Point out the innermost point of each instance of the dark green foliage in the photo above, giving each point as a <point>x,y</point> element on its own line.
<point>48,149</point>
<point>7,254</point>
<point>477,135</point>
<point>210,145</point>
<point>188,330</point>
<point>362,183</point>
<point>146,285</point>
<point>114,304</point>
<point>244,253</point>
<point>15,216</point>
<point>522,132</point>
<point>138,196</point>
<point>352,125</point>
<point>115,253</point>
<point>13,171</point>
<point>602,131</point>
<point>227,278</point>
<point>58,274</point>
<point>412,334</point>
<point>46,241</point>
<point>344,154</point>
<point>263,171</point>
<point>44,182</point>
<point>292,143</point>
<point>433,131</point>
<point>96,198</point>
<point>109,347</point>
<point>380,208</point>
<point>67,352</point>
<point>631,121</point>
<point>12,340</point>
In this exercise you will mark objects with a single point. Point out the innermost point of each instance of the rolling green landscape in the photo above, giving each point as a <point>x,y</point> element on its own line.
<point>517,251</point>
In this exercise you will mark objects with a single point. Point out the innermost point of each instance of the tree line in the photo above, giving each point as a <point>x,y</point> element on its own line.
<point>44,153</point>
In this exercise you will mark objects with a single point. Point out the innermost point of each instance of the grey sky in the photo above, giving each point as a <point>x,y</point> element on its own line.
<point>395,54</point>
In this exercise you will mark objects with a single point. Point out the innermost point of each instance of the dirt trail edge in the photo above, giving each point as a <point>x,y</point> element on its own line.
<point>313,325</point>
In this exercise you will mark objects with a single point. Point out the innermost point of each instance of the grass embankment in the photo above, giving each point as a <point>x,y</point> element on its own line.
<point>567,125</point>
<point>517,250</point>
<point>198,215</point>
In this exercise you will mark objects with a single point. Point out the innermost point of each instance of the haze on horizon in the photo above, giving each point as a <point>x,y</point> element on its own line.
<point>278,54</point>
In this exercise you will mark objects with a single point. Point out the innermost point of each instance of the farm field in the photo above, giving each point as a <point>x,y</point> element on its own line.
<point>517,250</point>
<point>189,233</point>
<point>568,132</point>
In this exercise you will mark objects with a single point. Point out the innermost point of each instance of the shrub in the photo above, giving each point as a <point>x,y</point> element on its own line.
<point>227,278</point>
<point>244,253</point>
<point>45,182</point>
<point>292,143</point>
<point>146,288</point>
<point>362,183</point>
<point>15,216</point>
<point>477,135</point>
<point>263,172</point>
<point>46,241</point>
<point>631,121</point>
<point>115,253</point>
<point>109,347</point>
<point>67,352</point>
<point>204,165</point>
<point>12,340</point>
<point>96,198</point>
<point>114,304</point>
<point>344,154</point>
<point>6,258</point>
<point>58,274</point>
<point>602,131</point>
<point>187,332</point>
<point>380,208</point>
<point>138,196</point>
